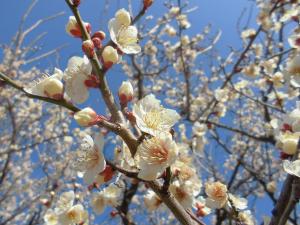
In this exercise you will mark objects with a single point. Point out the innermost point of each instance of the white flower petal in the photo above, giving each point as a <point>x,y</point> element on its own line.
<point>149,173</point>
<point>65,202</point>
<point>239,203</point>
<point>76,89</point>
<point>99,141</point>
<point>292,168</point>
<point>213,204</point>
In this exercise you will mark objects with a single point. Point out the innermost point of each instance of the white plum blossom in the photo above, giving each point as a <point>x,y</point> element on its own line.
<point>292,168</point>
<point>288,142</point>
<point>48,86</point>
<point>152,117</point>
<point>123,34</point>
<point>287,131</point>
<point>98,202</point>
<point>67,213</point>
<point>77,72</point>
<point>108,196</point>
<point>154,155</point>
<point>122,16</point>
<point>289,122</point>
<point>184,193</point>
<point>152,201</point>
<point>218,197</point>
<point>217,194</point>
<point>124,156</point>
<point>246,217</point>
<point>50,217</point>
<point>238,202</point>
<point>185,173</point>
<point>293,70</point>
<point>89,158</point>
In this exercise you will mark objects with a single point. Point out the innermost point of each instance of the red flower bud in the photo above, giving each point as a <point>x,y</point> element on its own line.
<point>76,2</point>
<point>113,213</point>
<point>99,34</point>
<point>147,4</point>
<point>97,42</point>
<point>283,155</point>
<point>286,127</point>
<point>92,81</point>
<point>88,48</point>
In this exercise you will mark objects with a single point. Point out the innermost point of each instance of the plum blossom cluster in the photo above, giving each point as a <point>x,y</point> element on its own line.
<point>219,197</point>
<point>287,132</point>
<point>74,83</point>
<point>158,151</point>
<point>65,212</point>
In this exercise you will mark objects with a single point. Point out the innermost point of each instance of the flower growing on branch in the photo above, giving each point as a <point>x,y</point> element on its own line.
<point>217,194</point>
<point>86,117</point>
<point>293,70</point>
<point>125,92</point>
<point>123,34</point>
<point>110,56</point>
<point>152,117</point>
<point>292,168</point>
<point>73,29</point>
<point>90,159</point>
<point>108,196</point>
<point>88,48</point>
<point>287,131</point>
<point>76,76</point>
<point>154,155</point>
<point>288,142</point>
<point>50,218</point>
<point>67,213</point>
<point>48,86</point>
<point>152,201</point>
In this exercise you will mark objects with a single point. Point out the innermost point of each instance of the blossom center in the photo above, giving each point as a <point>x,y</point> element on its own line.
<point>219,192</point>
<point>71,215</point>
<point>156,153</point>
<point>124,37</point>
<point>153,119</point>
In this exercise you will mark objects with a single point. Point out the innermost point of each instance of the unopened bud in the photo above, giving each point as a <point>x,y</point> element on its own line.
<point>147,4</point>
<point>123,17</point>
<point>76,2</point>
<point>99,34</point>
<point>92,81</point>
<point>53,88</point>
<point>110,56</point>
<point>130,116</point>
<point>113,213</point>
<point>86,117</point>
<point>73,29</point>
<point>88,48</point>
<point>174,10</point>
<point>125,92</point>
<point>97,42</point>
